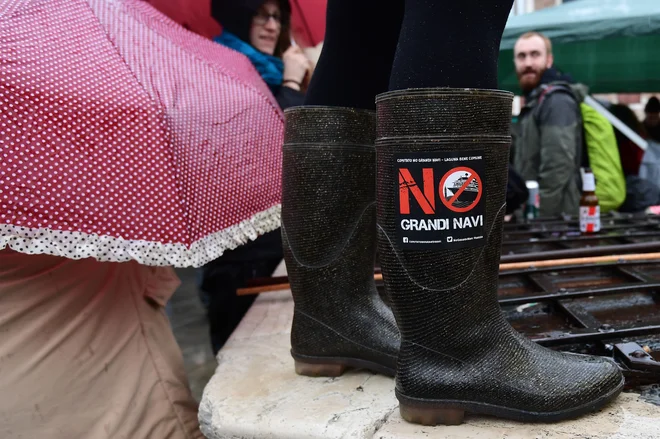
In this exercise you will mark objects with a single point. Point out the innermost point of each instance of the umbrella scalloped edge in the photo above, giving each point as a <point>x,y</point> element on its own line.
<point>78,245</point>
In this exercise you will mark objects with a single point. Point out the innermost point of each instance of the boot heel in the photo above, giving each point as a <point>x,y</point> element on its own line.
<point>431,417</point>
<point>319,370</point>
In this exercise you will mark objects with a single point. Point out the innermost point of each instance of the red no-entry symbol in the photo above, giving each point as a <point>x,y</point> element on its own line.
<point>461,189</point>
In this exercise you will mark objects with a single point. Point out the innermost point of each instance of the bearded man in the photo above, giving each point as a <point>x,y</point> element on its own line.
<point>548,134</point>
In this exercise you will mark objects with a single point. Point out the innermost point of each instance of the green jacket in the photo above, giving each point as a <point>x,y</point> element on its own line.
<point>547,145</point>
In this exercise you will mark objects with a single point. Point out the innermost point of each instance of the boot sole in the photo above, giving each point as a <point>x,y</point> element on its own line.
<point>335,366</point>
<point>451,412</point>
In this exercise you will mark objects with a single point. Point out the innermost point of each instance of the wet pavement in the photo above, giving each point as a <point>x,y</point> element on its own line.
<point>256,394</point>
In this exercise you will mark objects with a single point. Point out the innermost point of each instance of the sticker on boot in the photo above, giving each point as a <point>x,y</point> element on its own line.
<point>439,200</point>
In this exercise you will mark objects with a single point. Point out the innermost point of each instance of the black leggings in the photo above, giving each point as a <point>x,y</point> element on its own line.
<point>372,46</point>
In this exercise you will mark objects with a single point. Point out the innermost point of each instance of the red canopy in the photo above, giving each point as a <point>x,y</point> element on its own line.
<point>308,21</point>
<point>194,15</point>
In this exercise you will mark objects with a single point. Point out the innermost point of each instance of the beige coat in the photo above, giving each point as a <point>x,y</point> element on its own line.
<point>86,351</point>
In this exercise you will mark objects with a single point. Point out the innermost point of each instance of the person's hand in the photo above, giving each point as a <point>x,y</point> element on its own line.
<point>296,66</point>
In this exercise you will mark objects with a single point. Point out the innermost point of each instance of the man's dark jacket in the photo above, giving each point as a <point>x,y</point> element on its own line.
<point>547,142</point>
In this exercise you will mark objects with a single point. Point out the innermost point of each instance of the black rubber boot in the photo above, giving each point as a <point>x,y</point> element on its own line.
<point>442,159</point>
<point>329,238</point>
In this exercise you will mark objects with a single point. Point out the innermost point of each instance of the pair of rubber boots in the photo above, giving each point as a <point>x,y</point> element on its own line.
<point>433,188</point>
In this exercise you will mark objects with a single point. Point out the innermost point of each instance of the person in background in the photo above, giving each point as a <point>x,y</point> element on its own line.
<point>259,30</point>
<point>652,120</point>
<point>631,154</point>
<point>548,134</point>
<point>642,190</point>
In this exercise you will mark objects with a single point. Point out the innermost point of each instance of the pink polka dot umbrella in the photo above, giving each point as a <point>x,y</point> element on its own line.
<point>125,137</point>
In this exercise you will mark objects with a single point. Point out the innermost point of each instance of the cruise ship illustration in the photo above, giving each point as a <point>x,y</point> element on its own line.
<point>468,195</point>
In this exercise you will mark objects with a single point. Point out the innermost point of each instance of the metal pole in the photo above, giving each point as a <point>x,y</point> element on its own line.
<point>617,123</point>
<point>282,282</point>
<point>604,250</point>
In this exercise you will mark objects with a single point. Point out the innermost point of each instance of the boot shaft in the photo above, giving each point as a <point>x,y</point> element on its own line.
<point>328,179</point>
<point>442,158</point>
<point>329,239</point>
<point>428,142</point>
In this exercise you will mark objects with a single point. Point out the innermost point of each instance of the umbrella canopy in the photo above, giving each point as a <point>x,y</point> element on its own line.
<point>609,45</point>
<point>308,21</point>
<point>124,136</point>
<point>194,15</point>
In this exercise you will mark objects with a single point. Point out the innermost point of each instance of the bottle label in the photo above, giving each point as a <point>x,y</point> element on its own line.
<point>589,219</point>
<point>533,204</point>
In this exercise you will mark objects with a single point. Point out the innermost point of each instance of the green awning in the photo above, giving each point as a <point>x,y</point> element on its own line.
<point>613,46</point>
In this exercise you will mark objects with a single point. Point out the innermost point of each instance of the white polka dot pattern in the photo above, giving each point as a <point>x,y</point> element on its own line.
<point>124,136</point>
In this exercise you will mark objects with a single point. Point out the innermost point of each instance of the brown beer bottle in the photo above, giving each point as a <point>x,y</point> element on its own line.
<point>589,208</point>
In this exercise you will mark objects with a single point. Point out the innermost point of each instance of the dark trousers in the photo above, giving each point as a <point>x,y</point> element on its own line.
<point>223,276</point>
<point>372,46</point>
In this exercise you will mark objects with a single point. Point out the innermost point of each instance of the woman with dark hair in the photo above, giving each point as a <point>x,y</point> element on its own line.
<point>430,176</point>
<point>260,30</point>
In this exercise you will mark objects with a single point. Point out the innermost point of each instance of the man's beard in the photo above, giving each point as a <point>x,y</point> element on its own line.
<point>529,82</point>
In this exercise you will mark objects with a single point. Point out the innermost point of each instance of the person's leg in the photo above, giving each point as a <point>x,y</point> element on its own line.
<point>440,44</point>
<point>221,283</point>
<point>358,50</point>
<point>442,158</point>
<point>328,197</point>
<point>449,44</point>
<point>231,271</point>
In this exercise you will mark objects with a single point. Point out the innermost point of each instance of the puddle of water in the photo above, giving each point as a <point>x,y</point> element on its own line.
<point>535,320</point>
<point>651,394</point>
